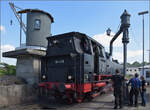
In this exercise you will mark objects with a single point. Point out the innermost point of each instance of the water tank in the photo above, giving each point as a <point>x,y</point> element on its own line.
<point>38,27</point>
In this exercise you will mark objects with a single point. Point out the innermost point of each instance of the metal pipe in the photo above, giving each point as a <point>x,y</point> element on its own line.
<point>149,44</point>
<point>125,57</point>
<point>149,37</point>
<point>112,40</point>
<point>143,47</point>
<point>142,13</point>
<point>20,29</point>
<point>125,41</point>
<point>0,47</point>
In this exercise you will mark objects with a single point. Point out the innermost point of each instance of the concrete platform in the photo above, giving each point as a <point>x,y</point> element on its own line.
<point>28,64</point>
<point>103,102</point>
<point>23,52</point>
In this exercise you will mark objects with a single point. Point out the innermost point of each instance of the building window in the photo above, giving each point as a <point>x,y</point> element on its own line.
<point>147,74</point>
<point>37,24</point>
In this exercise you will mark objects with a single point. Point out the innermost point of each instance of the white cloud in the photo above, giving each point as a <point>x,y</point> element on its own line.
<point>7,47</point>
<point>2,28</point>
<point>132,55</point>
<point>105,40</point>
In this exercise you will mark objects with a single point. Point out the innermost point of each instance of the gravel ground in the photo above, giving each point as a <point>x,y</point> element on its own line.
<point>11,79</point>
<point>103,102</point>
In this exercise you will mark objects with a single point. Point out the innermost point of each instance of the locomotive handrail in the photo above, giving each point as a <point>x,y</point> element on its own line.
<point>47,56</point>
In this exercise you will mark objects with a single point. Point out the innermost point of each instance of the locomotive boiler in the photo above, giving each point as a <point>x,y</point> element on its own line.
<point>75,67</point>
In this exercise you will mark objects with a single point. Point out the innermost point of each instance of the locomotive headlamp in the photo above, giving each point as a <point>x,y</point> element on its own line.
<point>43,76</point>
<point>69,77</point>
<point>86,76</point>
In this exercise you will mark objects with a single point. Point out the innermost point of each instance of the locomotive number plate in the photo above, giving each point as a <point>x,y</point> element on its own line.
<point>59,61</point>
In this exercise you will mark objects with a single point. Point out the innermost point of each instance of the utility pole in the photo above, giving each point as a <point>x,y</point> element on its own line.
<point>0,46</point>
<point>142,13</point>
<point>149,40</point>
<point>149,50</point>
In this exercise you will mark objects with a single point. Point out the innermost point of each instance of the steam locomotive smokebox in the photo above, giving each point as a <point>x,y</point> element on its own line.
<point>38,27</point>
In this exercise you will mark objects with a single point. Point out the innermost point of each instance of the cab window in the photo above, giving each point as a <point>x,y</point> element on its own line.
<point>101,54</point>
<point>85,44</point>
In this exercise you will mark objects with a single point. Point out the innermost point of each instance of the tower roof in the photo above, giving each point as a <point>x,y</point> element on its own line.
<point>37,10</point>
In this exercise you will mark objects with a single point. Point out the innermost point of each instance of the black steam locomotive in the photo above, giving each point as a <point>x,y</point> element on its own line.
<point>75,67</point>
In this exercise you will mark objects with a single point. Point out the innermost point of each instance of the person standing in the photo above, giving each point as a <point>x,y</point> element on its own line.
<point>117,80</point>
<point>143,92</point>
<point>135,88</point>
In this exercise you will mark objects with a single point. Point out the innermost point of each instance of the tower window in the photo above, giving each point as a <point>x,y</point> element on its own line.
<point>37,24</point>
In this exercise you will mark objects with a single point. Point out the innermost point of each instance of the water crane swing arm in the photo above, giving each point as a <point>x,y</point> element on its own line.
<point>125,24</point>
<point>13,7</point>
<point>113,39</point>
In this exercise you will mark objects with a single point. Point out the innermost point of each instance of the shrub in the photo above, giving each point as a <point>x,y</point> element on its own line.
<point>8,69</point>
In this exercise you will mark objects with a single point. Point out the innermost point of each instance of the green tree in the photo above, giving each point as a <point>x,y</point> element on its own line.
<point>128,65</point>
<point>8,69</point>
<point>136,64</point>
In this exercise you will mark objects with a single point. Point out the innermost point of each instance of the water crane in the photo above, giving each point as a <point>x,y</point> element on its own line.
<point>19,18</point>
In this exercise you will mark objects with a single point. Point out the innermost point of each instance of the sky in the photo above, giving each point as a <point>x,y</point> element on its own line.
<point>90,17</point>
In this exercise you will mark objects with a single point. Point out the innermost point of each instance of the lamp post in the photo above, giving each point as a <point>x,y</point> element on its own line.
<point>142,13</point>
<point>0,47</point>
